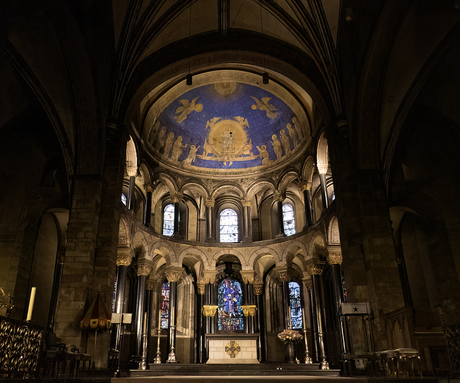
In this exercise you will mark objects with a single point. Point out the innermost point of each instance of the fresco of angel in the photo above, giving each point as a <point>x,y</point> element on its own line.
<point>265,106</point>
<point>187,107</point>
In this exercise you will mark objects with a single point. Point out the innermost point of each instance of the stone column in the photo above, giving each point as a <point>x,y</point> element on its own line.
<point>283,276</point>
<point>55,289</point>
<point>200,332</point>
<point>322,170</point>
<point>173,275</point>
<point>306,188</point>
<point>278,198</point>
<point>260,324</point>
<point>315,269</point>
<point>132,185</point>
<point>209,278</point>
<point>247,234</point>
<point>334,258</point>
<point>210,233</point>
<point>176,200</point>
<point>150,284</point>
<point>143,270</point>
<point>124,259</point>
<point>148,205</point>
<point>249,308</point>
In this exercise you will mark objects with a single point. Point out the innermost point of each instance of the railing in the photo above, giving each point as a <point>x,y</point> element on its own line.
<point>20,345</point>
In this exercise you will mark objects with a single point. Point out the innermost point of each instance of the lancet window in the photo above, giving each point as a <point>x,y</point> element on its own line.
<point>164,305</point>
<point>228,226</point>
<point>230,312</point>
<point>295,305</point>
<point>288,219</point>
<point>168,220</point>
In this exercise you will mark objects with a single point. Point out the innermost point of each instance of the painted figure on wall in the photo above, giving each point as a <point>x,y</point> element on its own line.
<point>277,147</point>
<point>286,142</point>
<point>191,155</point>
<point>177,149</point>
<point>169,143</point>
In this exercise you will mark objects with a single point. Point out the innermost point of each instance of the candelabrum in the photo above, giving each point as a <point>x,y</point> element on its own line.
<point>157,359</point>
<point>143,364</point>
<point>308,359</point>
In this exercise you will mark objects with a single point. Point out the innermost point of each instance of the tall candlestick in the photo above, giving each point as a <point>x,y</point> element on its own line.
<point>31,304</point>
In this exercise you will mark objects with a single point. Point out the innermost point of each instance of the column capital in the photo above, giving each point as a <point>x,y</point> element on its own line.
<point>258,287</point>
<point>209,202</point>
<point>245,202</point>
<point>307,282</point>
<point>143,269</point>
<point>132,171</point>
<point>209,310</point>
<point>334,255</point>
<point>283,273</point>
<point>201,285</point>
<point>176,198</point>
<point>124,256</point>
<point>249,310</point>
<point>174,273</point>
<point>314,266</point>
<point>209,276</point>
<point>149,188</point>
<point>278,196</point>
<point>247,275</point>
<point>150,284</point>
<point>305,185</point>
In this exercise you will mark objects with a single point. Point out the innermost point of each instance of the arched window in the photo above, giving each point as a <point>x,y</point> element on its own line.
<point>230,312</point>
<point>168,220</point>
<point>295,306</point>
<point>288,219</point>
<point>164,305</point>
<point>124,199</point>
<point>228,226</point>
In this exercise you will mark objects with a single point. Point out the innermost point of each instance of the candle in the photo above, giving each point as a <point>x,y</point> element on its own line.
<point>303,318</point>
<point>145,322</point>
<point>31,304</point>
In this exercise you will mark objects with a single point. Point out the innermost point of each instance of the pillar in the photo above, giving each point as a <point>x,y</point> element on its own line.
<point>55,289</point>
<point>200,330</point>
<point>322,170</point>
<point>173,275</point>
<point>148,205</point>
<point>278,198</point>
<point>315,270</point>
<point>132,186</point>
<point>260,324</point>
<point>143,270</point>
<point>247,233</point>
<point>210,234</point>
<point>283,276</point>
<point>249,308</point>
<point>306,188</point>
<point>209,308</point>
<point>124,259</point>
<point>334,258</point>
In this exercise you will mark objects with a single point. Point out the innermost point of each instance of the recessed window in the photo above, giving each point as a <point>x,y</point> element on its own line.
<point>168,220</point>
<point>230,312</point>
<point>228,226</point>
<point>295,306</point>
<point>164,305</point>
<point>288,219</point>
<point>124,199</point>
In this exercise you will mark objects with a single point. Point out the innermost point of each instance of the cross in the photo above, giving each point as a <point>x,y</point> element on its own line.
<point>232,349</point>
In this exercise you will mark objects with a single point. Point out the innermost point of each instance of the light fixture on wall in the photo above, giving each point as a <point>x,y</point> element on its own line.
<point>189,79</point>
<point>265,78</point>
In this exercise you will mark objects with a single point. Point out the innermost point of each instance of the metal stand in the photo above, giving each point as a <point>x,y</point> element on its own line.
<point>157,359</point>
<point>308,358</point>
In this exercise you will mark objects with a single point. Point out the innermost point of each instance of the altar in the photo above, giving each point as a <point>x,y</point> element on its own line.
<point>235,348</point>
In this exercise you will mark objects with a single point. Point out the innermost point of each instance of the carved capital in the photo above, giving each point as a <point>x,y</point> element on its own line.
<point>305,185</point>
<point>131,170</point>
<point>148,188</point>
<point>278,196</point>
<point>174,274</point>
<point>249,310</point>
<point>248,276</point>
<point>209,310</point>
<point>245,202</point>
<point>150,284</point>
<point>315,268</point>
<point>334,256</point>
<point>322,168</point>
<point>209,276</point>
<point>283,273</point>
<point>124,256</point>
<point>176,198</point>
<point>308,283</point>
<point>201,286</point>
<point>258,288</point>
<point>210,202</point>
<point>143,269</point>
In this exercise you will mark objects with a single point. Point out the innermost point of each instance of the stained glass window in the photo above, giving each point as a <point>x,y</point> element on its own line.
<point>124,199</point>
<point>228,226</point>
<point>230,313</point>
<point>288,219</point>
<point>168,220</point>
<point>296,306</point>
<point>164,305</point>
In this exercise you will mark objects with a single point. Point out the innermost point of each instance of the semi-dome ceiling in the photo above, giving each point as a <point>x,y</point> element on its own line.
<point>228,122</point>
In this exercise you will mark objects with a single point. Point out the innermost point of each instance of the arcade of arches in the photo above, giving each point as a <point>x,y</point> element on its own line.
<point>217,166</point>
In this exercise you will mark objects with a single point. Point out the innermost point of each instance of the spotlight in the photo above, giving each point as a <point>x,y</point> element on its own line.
<point>188,79</point>
<point>265,78</point>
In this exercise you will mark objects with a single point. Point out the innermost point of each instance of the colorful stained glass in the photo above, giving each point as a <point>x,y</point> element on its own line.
<point>296,305</point>
<point>288,219</point>
<point>230,312</point>
<point>164,305</point>
<point>124,199</point>
<point>168,220</point>
<point>228,226</point>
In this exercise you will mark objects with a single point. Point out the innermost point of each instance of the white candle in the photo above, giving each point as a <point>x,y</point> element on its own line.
<point>145,322</point>
<point>31,303</point>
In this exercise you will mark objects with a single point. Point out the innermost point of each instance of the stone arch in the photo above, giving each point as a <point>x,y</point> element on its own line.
<point>257,254</point>
<point>232,189</point>
<point>144,169</point>
<point>195,253</point>
<point>322,155</point>
<point>229,251</point>
<point>195,186</point>
<point>140,242</point>
<point>333,232</point>
<point>294,249</point>
<point>307,169</point>
<point>317,244</point>
<point>124,237</point>
<point>165,250</point>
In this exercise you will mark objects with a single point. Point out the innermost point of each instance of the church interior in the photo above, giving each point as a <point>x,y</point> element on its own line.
<point>218,183</point>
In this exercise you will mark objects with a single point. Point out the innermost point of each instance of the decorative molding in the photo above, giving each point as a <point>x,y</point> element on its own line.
<point>209,310</point>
